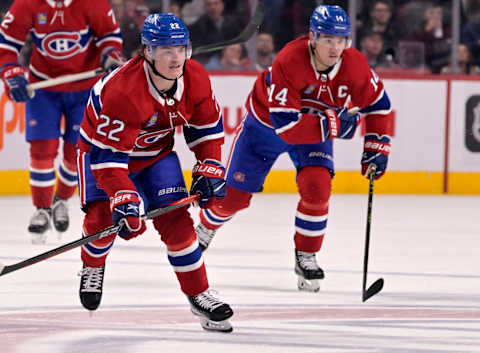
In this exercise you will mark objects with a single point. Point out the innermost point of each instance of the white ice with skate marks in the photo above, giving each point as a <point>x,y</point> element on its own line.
<point>425,247</point>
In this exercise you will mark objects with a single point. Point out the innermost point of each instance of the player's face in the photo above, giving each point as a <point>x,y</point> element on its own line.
<point>328,49</point>
<point>169,60</point>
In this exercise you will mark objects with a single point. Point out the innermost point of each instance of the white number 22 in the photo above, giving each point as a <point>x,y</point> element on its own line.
<point>118,124</point>
<point>7,20</point>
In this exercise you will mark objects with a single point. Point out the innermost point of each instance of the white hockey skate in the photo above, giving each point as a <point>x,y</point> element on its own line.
<point>308,271</point>
<point>204,236</point>
<point>213,313</point>
<point>39,225</point>
<point>60,215</point>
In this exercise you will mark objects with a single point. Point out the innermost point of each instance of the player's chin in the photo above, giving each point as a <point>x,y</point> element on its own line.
<point>175,73</point>
<point>333,60</point>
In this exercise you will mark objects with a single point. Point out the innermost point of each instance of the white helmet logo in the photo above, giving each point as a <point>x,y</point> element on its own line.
<point>323,11</point>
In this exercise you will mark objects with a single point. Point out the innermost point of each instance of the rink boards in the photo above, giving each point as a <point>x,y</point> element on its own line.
<point>435,148</point>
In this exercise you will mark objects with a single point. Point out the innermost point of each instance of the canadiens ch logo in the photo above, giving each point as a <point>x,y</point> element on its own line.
<point>61,45</point>
<point>149,138</point>
<point>238,176</point>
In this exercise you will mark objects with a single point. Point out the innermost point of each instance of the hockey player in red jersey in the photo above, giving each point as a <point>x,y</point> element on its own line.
<point>68,36</point>
<point>126,154</point>
<point>299,106</point>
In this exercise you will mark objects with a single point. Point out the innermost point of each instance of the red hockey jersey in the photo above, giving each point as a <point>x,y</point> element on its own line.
<point>129,124</point>
<point>288,96</point>
<point>68,37</point>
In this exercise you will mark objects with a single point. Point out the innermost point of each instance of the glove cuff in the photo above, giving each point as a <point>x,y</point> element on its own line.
<point>333,122</point>
<point>374,143</point>
<point>122,197</point>
<point>209,169</point>
<point>14,71</point>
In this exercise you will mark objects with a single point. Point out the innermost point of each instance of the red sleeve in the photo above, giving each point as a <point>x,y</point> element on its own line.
<point>105,26</point>
<point>112,180</point>
<point>306,131</point>
<point>366,85</point>
<point>379,124</point>
<point>284,106</point>
<point>114,141</point>
<point>369,93</point>
<point>14,29</point>
<point>204,135</point>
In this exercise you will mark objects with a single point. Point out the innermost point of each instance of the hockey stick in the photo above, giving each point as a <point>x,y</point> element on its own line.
<point>378,284</point>
<point>64,79</point>
<point>246,34</point>
<point>108,231</point>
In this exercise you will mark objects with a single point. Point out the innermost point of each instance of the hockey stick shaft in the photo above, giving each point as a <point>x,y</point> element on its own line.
<point>246,34</point>
<point>108,231</point>
<point>64,79</point>
<point>367,232</point>
<point>378,285</point>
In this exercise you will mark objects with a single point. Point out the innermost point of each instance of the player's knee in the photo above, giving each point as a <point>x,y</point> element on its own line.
<point>44,150</point>
<point>314,186</point>
<point>234,201</point>
<point>97,218</point>
<point>175,228</point>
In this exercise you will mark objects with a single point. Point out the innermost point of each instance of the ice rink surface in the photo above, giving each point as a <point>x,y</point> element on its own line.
<point>427,248</point>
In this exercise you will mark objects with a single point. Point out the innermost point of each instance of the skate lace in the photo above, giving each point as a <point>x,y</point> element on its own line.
<point>307,260</point>
<point>204,234</point>
<point>40,217</point>
<point>207,301</point>
<point>92,278</point>
<point>60,210</point>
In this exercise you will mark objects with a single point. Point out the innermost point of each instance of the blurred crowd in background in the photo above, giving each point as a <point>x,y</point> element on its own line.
<point>413,36</point>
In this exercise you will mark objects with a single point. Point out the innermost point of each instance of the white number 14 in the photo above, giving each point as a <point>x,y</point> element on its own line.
<point>281,96</point>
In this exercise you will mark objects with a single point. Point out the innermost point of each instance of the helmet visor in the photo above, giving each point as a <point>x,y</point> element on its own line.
<point>182,52</point>
<point>331,41</point>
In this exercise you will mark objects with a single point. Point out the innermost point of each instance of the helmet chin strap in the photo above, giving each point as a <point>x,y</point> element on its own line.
<point>155,71</point>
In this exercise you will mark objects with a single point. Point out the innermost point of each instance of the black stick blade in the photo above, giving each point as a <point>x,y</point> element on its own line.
<point>245,35</point>
<point>373,289</point>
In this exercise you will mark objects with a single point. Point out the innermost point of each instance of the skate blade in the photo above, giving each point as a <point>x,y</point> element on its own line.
<point>216,326</point>
<point>308,285</point>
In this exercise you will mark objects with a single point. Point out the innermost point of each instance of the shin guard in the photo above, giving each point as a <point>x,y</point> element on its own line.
<point>184,254</point>
<point>223,210</point>
<point>42,172</point>
<point>314,185</point>
<point>67,172</point>
<point>97,218</point>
